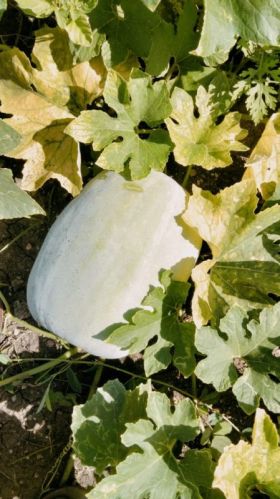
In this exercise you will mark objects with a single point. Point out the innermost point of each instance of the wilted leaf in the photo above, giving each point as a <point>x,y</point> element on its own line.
<point>15,203</point>
<point>141,107</point>
<point>40,116</point>
<point>153,470</point>
<point>55,76</point>
<point>162,324</point>
<point>199,141</point>
<point>264,162</point>
<point>9,138</point>
<point>219,217</point>
<point>240,355</point>
<point>244,468</point>
<point>98,424</point>
<point>41,125</point>
<point>246,267</point>
<point>225,20</point>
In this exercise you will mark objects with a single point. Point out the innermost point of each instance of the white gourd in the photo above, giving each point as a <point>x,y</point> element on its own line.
<point>104,251</point>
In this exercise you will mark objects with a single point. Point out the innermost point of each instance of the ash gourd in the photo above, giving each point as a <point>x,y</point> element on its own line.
<point>103,253</point>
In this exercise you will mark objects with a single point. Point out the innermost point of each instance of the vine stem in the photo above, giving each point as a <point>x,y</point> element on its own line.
<point>187,176</point>
<point>36,370</point>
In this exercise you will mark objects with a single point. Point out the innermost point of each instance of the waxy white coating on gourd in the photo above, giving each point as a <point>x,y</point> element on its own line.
<point>102,254</point>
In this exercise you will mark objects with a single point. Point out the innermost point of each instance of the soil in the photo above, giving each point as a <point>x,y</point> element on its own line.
<point>35,440</point>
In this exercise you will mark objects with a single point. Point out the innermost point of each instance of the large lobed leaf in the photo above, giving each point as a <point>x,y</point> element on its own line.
<point>245,266</point>
<point>198,140</point>
<point>244,468</point>
<point>40,117</point>
<point>225,20</point>
<point>133,27</point>
<point>241,355</point>
<point>98,424</point>
<point>161,323</point>
<point>136,103</point>
<point>150,469</point>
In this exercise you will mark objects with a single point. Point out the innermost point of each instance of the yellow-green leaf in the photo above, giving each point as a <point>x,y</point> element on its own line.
<point>264,161</point>
<point>245,267</point>
<point>200,141</point>
<point>245,467</point>
<point>41,126</point>
<point>55,76</point>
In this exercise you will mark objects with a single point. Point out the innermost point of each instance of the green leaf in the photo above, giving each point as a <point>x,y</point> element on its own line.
<point>243,348</point>
<point>153,470</point>
<point>199,141</point>
<point>225,20</point>
<point>15,203</point>
<point>132,26</point>
<point>245,268</point>
<point>161,323</point>
<point>9,138</point>
<point>136,103</point>
<point>98,424</point>
<point>244,468</point>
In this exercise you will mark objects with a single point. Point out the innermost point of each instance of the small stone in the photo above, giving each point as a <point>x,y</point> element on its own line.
<point>28,247</point>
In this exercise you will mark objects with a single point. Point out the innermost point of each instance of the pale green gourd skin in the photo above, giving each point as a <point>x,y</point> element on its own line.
<point>102,254</point>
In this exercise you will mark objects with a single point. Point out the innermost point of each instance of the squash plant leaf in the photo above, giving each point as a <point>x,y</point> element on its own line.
<point>245,467</point>
<point>141,108</point>
<point>55,76</point>
<point>41,114</point>
<point>161,323</point>
<point>225,21</point>
<point>98,424</point>
<point>9,138</point>
<point>264,162</point>
<point>199,141</point>
<point>245,266</point>
<point>241,355</point>
<point>71,15</point>
<point>133,27</point>
<point>15,203</point>
<point>151,469</point>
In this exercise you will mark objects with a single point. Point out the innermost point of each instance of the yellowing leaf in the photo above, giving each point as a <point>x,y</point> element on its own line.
<point>245,467</point>
<point>245,268</point>
<point>219,217</point>
<point>42,101</point>
<point>52,154</point>
<point>264,161</point>
<point>199,141</point>
<point>41,126</point>
<point>57,78</point>
<point>16,66</point>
